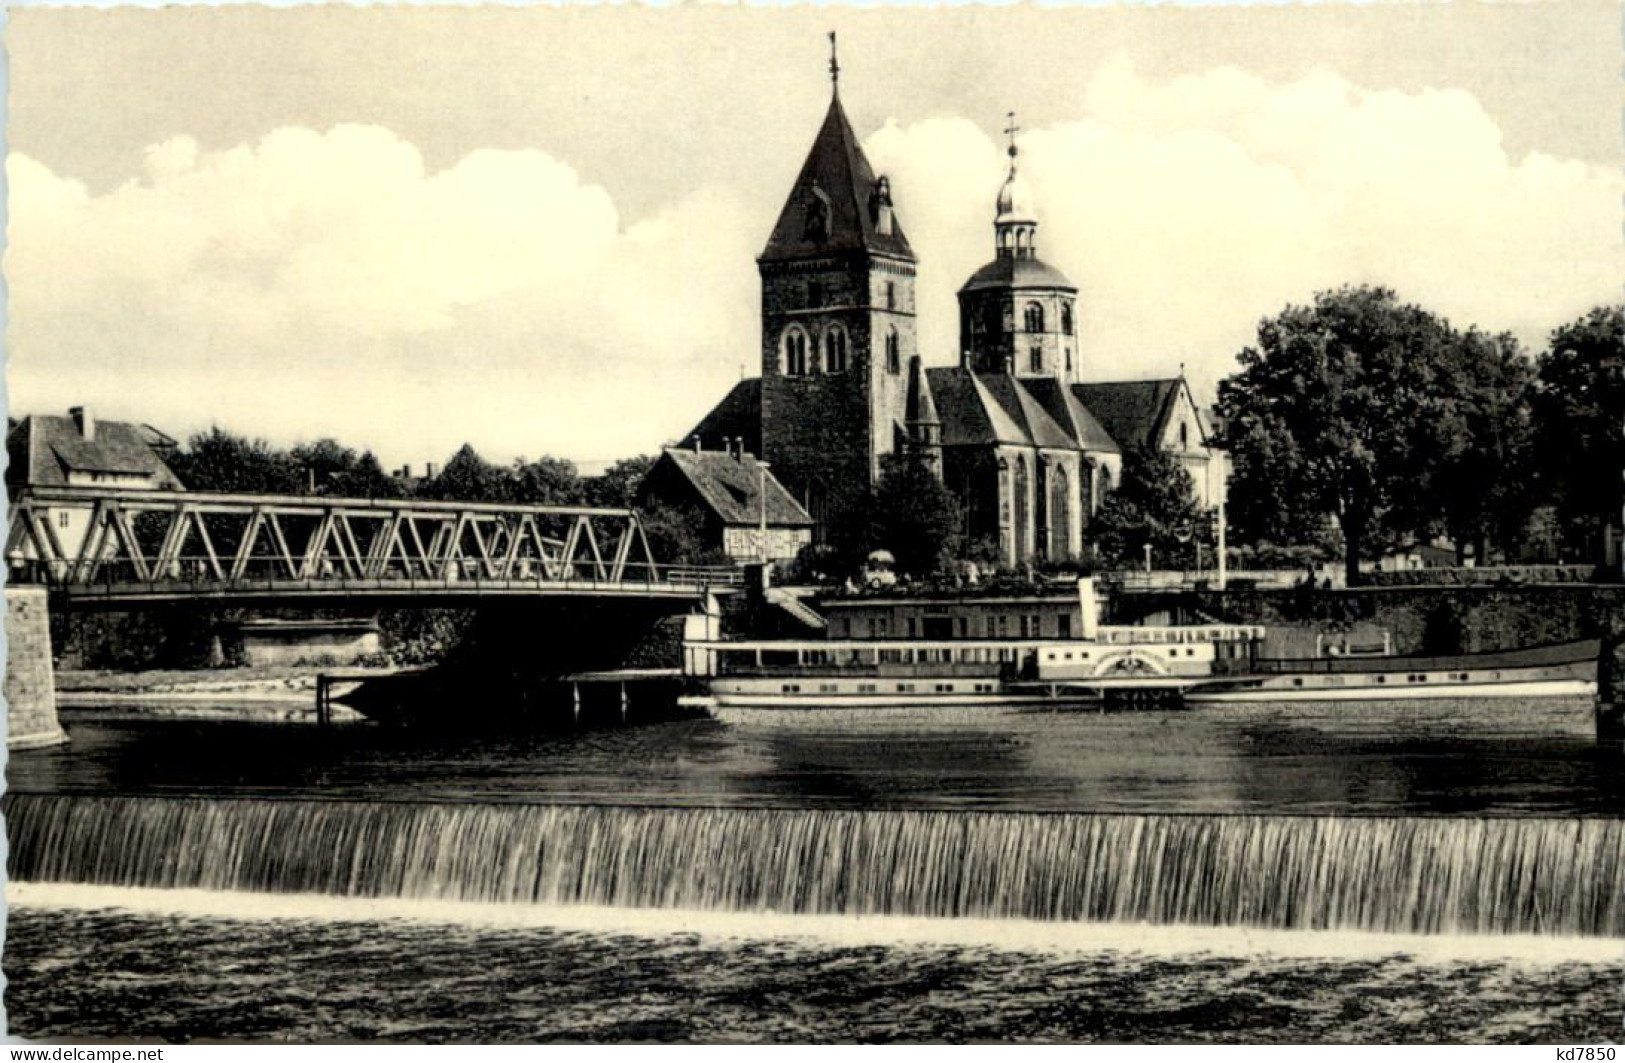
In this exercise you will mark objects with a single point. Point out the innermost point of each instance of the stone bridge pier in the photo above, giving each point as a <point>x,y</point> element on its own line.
<point>30,686</point>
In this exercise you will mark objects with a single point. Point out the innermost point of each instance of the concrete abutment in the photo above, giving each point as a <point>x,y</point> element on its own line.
<point>31,720</point>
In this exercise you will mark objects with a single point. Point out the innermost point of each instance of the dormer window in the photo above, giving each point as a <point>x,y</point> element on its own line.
<point>880,210</point>
<point>816,224</point>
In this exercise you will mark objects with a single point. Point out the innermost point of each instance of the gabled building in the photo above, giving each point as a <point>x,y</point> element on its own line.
<point>739,498</point>
<point>46,450</point>
<point>78,450</point>
<point>1010,428</point>
<point>1161,415</point>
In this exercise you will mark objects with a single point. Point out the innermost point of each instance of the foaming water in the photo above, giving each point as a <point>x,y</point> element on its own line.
<point>1009,935</point>
<point>1406,875</point>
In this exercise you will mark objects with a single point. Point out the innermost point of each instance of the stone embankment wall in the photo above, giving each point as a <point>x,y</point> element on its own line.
<point>1430,619</point>
<point>31,720</point>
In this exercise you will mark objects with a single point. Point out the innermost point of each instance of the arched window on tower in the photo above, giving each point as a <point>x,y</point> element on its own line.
<point>1066,318</point>
<point>835,350</point>
<point>795,352</point>
<point>1035,317</point>
<point>894,355</point>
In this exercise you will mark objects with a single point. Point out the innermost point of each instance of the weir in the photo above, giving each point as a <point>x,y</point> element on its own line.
<point>1545,876</point>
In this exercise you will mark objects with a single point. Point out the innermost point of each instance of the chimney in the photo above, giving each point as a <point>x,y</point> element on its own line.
<point>406,472</point>
<point>698,446</point>
<point>428,471</point>
<point>85,421</point>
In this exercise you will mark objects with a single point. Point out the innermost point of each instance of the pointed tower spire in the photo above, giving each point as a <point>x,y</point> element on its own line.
<point>837,203</point>
<point>834,64</point>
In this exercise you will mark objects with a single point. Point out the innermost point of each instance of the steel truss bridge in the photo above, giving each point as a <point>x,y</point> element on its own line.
<point>119,546</point>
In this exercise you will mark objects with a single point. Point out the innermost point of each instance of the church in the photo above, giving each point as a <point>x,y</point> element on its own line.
<point>1025,445</point>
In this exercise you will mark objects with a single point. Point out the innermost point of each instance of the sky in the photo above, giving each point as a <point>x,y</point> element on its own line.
<point>535,229</point>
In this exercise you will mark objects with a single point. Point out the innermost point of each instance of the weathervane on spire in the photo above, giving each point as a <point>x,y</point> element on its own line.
<point>834,63</point>
<point>1011,130</point>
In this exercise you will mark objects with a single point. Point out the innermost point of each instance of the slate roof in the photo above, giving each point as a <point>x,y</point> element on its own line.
<point>837,167</point>
<point>737,416</point>
<point>1133,411</point>
<point>1036,424</point>
<point>1011,271</point>
<point>44,448</point>
<point>1073,416</point>
<point>731,487</point>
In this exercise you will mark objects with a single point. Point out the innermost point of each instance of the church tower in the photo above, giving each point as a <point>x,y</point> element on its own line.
<point>1018,314</point>
<point>837,322</point>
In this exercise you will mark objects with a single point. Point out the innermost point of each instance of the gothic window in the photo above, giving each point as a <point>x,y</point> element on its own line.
<point>1184,436</point>
<point>891,295</point>
<point>1066,318</point>
<point>795,352</point>
<point>1035,359</point>
<point>894,356</point>
<point>835,350</point>
<point>1035,317</point>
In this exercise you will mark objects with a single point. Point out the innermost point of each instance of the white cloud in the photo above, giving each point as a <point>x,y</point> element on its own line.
<point>328,283</point>
<point>1187,210</point>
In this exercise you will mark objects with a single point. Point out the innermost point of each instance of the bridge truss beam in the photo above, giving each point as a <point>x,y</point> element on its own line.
<point>140,543</point>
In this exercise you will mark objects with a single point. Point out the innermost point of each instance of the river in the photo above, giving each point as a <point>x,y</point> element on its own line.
<point>1380,871</point>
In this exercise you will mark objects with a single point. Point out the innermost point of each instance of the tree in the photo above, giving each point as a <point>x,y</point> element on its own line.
<point>1484,485</point>
<point>1579,407</point>
<point>617,486</point>
<point>218,460</point>
<point>1155,505</point>
<point>546,482</point>
<point>676,534</point>
<point>366,479</point>
<point>1343,408</point>
<point>467,477</point>
<point>915,517</point>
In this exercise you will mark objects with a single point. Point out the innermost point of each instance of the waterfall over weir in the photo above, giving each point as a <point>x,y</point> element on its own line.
<point>1406,875</point>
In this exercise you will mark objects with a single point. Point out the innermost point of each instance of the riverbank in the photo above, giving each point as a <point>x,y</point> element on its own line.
<point>281,692</point>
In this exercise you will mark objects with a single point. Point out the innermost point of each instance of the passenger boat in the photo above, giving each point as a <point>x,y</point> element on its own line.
<point>1561,669</point>
<point>1039,667</point>
<point>888,653</point>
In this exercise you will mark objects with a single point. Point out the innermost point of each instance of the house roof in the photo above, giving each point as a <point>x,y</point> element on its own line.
<point>838,174</point>
<point>1073,416</point>
<point>1011,271</point>
<point>1036,423</point>
<point>1133,411</point>
<point>969,415</point>
<point>984,408</point>
<point>737,416</point>
<point>731,487</point>
<point>45,448</point>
